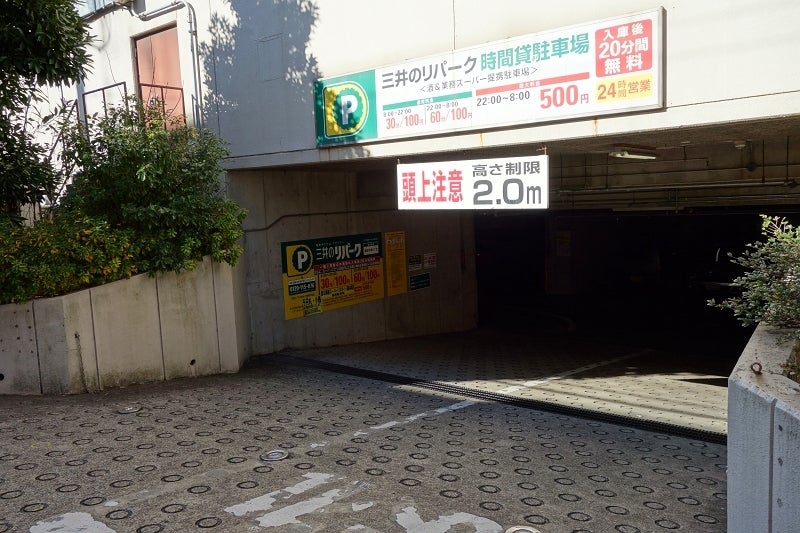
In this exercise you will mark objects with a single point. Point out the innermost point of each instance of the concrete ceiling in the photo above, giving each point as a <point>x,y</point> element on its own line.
<point>698,136</point>
<point>671,144</point>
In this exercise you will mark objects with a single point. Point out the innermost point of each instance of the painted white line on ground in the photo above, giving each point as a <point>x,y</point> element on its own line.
<point>410,520</point>
<point>413,418</point>
<point>264,503</point>
<point>288,514</point>
<point>572,372</point>
<point>70,523</point>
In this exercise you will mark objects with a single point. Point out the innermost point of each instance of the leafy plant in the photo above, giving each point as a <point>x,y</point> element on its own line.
<point>146,197</point>
<point>770,284</point>
<point>55,257</point>
<point>42,42</point>
<point>26,175</point>
<point>145,172</point>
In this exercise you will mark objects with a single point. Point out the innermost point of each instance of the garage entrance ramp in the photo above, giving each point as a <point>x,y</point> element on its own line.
<point>639,386</point>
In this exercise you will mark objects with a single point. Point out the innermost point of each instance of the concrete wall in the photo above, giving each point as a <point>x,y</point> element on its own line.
<point>290,206</point>
<point>20,368</point>
<point>144,329</point>
<point>763,432</point>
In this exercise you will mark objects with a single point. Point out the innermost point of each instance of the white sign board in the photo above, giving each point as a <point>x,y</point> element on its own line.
<point>504,183</point>
<point>610,66</point>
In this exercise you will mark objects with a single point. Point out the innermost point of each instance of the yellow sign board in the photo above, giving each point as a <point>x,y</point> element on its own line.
<point>324,274</point>
<point>395,262</point>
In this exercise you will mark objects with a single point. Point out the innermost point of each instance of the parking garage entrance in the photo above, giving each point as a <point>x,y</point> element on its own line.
<point>639,277</point>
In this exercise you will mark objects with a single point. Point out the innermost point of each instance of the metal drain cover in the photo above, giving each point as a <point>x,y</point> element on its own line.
<point>274,455</point>
<point>129,410</point>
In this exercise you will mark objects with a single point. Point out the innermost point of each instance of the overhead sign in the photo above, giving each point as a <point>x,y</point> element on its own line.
<point>324,274</point>
<point>504,183</point>
<point>610,66</point>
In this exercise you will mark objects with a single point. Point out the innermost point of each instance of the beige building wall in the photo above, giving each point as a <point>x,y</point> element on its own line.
<point>251,68</point>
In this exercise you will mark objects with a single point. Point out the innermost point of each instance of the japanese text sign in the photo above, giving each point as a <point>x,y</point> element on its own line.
<point>329,273</point>
<point>610,66</point>
<point>505,183</point>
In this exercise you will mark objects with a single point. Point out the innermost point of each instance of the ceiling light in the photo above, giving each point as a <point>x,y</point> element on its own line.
<point>632,154</point>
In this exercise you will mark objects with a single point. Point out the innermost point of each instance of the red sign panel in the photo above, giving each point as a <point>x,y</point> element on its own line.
<point>624,49</point>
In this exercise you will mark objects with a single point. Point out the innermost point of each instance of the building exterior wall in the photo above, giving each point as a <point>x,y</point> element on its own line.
<point>248,69</point>
<point>725,62</point>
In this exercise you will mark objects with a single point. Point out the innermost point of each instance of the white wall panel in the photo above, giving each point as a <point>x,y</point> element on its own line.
<point>725,61</point>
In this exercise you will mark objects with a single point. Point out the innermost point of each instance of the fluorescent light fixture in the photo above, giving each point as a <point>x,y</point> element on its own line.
<point>628,153</point>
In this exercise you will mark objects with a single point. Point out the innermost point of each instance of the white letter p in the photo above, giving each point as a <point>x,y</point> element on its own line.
<point>349,105</point>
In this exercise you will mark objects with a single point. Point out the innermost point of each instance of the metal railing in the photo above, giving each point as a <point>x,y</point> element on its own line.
<point>170,99</point>
<point>119,91</point>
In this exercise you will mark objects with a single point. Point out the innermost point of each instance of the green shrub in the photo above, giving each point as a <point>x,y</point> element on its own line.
<point>55,257</point>
<point>146,197</point>
<point>770,285</point>
<point>144,172</point>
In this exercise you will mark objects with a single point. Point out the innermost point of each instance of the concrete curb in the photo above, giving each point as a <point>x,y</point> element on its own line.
<point>763,429</point>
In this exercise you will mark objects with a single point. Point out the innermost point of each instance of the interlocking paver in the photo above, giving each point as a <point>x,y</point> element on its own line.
<point>362,455</point>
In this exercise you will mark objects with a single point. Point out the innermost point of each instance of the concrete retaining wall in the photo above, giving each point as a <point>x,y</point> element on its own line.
<point>763,436</point>
<point>144,329</point>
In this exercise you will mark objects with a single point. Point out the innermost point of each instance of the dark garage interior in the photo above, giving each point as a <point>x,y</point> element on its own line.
<point>639,277</point>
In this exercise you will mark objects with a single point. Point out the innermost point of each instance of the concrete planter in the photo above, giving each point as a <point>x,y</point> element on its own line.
<point>763,436</point>
<point>140,330</point>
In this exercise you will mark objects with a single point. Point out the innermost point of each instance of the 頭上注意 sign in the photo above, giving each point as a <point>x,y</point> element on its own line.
<point>500,183</point>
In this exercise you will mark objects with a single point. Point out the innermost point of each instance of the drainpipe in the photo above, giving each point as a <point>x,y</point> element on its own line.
<point>195,49</point>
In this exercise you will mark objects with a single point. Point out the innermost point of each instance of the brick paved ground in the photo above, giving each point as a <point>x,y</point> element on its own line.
<point>360,455</point>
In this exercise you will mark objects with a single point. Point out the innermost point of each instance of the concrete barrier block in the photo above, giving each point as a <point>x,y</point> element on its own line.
<point>232,317</point>
<point>65,336</point>
<point>786,469</point>
<point>127,332</point>
<point>52,346</point>
<point>763,457</point>
<point>749,456</point>
<point>19,363</point>
<point>188,322</point>
<point>80,339</point>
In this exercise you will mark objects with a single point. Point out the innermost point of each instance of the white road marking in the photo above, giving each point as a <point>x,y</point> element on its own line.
<point>288,514</point>
<point>70,523</point>
<point>264,503</point>
<point>562,375</point>
<point>415,417</point>
<point>410,520</point>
